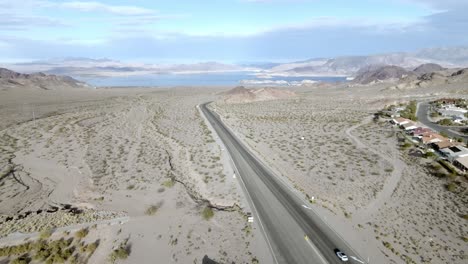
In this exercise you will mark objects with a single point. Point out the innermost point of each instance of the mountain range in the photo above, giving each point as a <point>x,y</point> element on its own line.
<point>348,66</point>
<point>10,79</point>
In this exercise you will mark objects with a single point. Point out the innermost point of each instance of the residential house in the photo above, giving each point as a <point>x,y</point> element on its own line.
<point>409,126</point>
<point>400,121</point>
<point>421,130</point>
<point>452,111</point>
<point>462,163</point>
<point>455,152</point>
<point>445,144</point>
<point>432,137</point>
<point>447,101</point>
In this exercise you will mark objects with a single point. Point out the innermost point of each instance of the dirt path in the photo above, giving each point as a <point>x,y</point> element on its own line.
<point>390,184</point>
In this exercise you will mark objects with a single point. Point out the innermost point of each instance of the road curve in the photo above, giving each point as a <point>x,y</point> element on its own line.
<point>296,234</point>
<point>422,115</point>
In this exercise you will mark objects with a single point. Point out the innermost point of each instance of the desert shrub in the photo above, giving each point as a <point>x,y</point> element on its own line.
<point>151,210</point>
<point>92,247</point>
<point>120,253</point>
<point>82,233</point>
<point>20,260</point>
<point>169,183</point>
<point>451,187</point>
<point>45,234</point>
<point>445,122</point>
<point>207,213</point>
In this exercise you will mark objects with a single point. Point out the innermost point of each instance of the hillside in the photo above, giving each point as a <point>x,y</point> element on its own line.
<point>379,74</point>
<point>428,68</point>
<point>10,79</point>
<point>434,79</point>
<point>242,95</point>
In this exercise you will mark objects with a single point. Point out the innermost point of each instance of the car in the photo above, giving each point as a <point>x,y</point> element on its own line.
<point>342,256</point>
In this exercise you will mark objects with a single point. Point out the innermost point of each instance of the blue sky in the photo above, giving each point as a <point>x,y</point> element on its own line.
<point>225,30</point>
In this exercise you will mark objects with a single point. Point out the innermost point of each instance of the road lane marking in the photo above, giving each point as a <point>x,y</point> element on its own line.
<point>306,207</point>
<point>356,259</point>
<point>307,239</point>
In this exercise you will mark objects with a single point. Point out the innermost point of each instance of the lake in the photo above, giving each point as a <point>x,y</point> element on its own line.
<point>205,79</point>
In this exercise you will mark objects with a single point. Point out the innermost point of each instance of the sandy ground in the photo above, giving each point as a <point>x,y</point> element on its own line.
<point>114,153</point>
<point>379,198</point>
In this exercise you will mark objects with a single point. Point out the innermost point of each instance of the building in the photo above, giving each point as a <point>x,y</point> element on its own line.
<point>400,121</point>
<point>409,126</point>
<point>455,152</point>
<point>432,137</point>
<point>445,144</point>
<point>447,101</point>
<point>421,130</point>
<point>461,163</point>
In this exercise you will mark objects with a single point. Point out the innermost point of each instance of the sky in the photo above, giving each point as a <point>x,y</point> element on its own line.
<point>155,31</point>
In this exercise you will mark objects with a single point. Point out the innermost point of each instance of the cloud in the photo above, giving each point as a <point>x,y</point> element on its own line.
<point>19,22</point>
<point>441,4</point>
<point>113,9</point>
<point>334,39</point>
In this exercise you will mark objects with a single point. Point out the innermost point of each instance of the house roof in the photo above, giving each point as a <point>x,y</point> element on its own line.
<point>455,151</point>
<point>463,161</point>
<point>421,130</point>
<point>402,119</point>
<point>410,124</point>
<point>431,137</point>
<point>446,144</point>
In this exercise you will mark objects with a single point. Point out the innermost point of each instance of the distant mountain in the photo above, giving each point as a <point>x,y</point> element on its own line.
<point>107,68</point>
<point>454,55</point>
<point>350,65</point>
<point>383,73</point>
<point>428,68</point>
<point>339,66</point>
<point>435,79</point>
<point>10,79</point>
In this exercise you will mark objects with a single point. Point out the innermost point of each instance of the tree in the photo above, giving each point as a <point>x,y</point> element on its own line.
<point>445,122</point>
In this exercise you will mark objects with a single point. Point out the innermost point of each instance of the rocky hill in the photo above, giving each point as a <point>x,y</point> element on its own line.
<point>428,68</point>
<point>241,94</point>
<point>371,75</point>
<point>10,79</point>
<point>434,79</point>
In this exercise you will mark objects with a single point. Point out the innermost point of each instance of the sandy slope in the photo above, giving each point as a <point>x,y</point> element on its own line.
<point>114,153</point>
<point>379,198</point>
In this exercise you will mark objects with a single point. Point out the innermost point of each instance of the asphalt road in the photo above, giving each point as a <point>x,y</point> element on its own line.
<point>422,115</point>
<point>295,234</point>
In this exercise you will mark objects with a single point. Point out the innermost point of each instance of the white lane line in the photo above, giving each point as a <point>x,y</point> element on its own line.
<point>306,207</point>
<point>356,259</point>
<point>307,239</point>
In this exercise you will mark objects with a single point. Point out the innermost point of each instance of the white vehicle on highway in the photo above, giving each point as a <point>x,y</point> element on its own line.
<point>342,256</point>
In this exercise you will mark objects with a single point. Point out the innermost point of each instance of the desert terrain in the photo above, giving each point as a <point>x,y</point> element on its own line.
<point>131,175</point>
<point>327,144</point>
<point>134,174</point>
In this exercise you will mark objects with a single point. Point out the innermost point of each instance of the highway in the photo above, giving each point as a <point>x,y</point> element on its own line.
<point>294,232</point>
<point>422,115</point>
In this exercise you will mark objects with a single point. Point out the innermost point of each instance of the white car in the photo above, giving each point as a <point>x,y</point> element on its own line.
<point>342,256</point>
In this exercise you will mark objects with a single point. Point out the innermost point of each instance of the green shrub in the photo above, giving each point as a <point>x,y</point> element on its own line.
<point>207,213</point>
<point>81,233</point>
<point>119,253</point>
<point>451,187</point>
<point>169,183</point>
<point>151,210</point>
<point>45,233</point>
<point>20,260</point>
